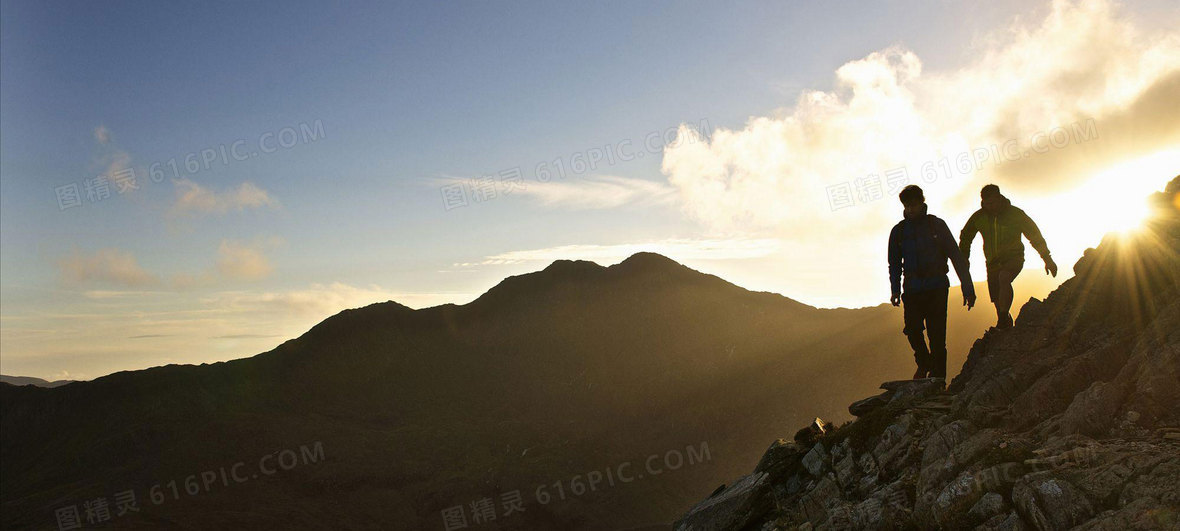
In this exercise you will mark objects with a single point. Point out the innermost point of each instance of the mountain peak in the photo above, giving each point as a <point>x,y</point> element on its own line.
<point>572,266</point>
<point>649,261</point>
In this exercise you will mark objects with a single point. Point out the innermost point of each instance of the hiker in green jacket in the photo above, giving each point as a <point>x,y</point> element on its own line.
<point>1002,225</point>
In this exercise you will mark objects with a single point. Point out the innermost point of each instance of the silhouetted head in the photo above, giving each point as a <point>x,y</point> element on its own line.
<point>913,199</point>
<point>992,200</point>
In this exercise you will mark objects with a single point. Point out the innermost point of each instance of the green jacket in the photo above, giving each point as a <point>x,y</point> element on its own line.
<point>1001,234</point>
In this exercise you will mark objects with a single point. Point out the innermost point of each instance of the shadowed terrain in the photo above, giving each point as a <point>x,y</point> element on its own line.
<point>1069,420</point>
<point>544,378</point>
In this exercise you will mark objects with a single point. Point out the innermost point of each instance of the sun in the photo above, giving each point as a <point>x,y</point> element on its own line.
<point>1128,216</point>
<point>1110,201</point>
<point>1115,199</point>
<point>1119,194</point>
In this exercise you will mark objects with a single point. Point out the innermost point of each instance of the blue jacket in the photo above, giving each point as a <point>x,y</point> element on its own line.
<point>918,251</point>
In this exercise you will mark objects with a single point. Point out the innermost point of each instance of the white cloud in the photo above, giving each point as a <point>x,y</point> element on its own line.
<point>1082,61</point>
<point>322,300</point>
<point>99,294</point>
<point>109,265</point>
<point>66,375</point>
<point>239,261</point>
<point>235,261</point>
<point>109,157</point>
<point>600,192</point>
<point>102,134</point>
<point>194,199</point>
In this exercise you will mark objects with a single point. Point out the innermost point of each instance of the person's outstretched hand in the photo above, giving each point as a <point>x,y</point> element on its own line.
<point>895,300</point>
<point>969,301</point>
<point>1050,267</point>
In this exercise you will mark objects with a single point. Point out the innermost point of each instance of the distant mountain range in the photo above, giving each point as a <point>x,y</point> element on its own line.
<point>546,383</point>
<point>29,380</point>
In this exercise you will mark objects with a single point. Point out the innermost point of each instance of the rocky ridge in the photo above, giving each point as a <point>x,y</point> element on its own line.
<point>1070,419</point>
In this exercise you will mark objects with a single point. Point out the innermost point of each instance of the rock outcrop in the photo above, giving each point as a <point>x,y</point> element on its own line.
<point>1069,419</point>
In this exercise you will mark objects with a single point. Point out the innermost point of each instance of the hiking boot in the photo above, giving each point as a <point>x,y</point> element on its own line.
<point>921,373</point>
<point>1006,322</point>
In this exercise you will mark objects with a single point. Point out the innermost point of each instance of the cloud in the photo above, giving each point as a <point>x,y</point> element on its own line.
<point>1142,128</point>
<point>322,300</point>
<point>193,199</point>
<point>109,157</point>
<point>109,265</point>
<point>190,280</point>
<point>67,375</point>
<point>236,261</point>
<point>239,261</point>
<point>102,134</point>
<point>600,192</point>
<point>99,294</point>
<point>1083,60</point>
<point>116,161</point>
<point>143,329</point>
<point>676,249</point>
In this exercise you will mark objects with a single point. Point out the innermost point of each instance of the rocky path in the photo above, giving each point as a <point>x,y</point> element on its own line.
<point>1070,419</point>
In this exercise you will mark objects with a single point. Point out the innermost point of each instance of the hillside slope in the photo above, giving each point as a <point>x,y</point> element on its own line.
<point>1071,419</point>
<point>547,377</point>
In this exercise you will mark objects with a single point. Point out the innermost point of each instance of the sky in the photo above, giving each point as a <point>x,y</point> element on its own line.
<point>198,183</point>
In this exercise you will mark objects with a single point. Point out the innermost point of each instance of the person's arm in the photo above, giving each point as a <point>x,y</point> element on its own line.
<point>895,266</point>
<point>1030,230</point>
<point>962,268</point>
<point>967,236</point>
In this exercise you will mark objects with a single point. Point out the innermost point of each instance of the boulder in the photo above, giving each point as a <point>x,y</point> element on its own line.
<point>894,444</point>
<point>865,406</point>
<point>950,508</point>
<point>903,392</point>
<point>940,443</point>
<point>846,472</point>
<point>807,435</point>
<point>818,503</point>
<point>990,505</point>
<point>1158,481</point>
<point>814,460</point>
<point>1000,477</point>
<point>1143,513</point>
<point>1050,503</point>
<point>780,459</point>
<point>734,507</point>
<point>1003,522</point>
<point>1092,411</point>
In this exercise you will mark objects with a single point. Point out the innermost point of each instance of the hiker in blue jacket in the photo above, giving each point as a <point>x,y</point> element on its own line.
<point>919,246</point>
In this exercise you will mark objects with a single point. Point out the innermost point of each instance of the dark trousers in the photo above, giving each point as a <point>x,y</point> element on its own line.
<point>926,309</point>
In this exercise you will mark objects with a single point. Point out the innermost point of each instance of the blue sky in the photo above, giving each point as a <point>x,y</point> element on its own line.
<point>233,258</point>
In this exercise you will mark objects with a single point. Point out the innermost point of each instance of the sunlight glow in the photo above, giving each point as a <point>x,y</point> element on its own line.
<point>1114,199</point>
